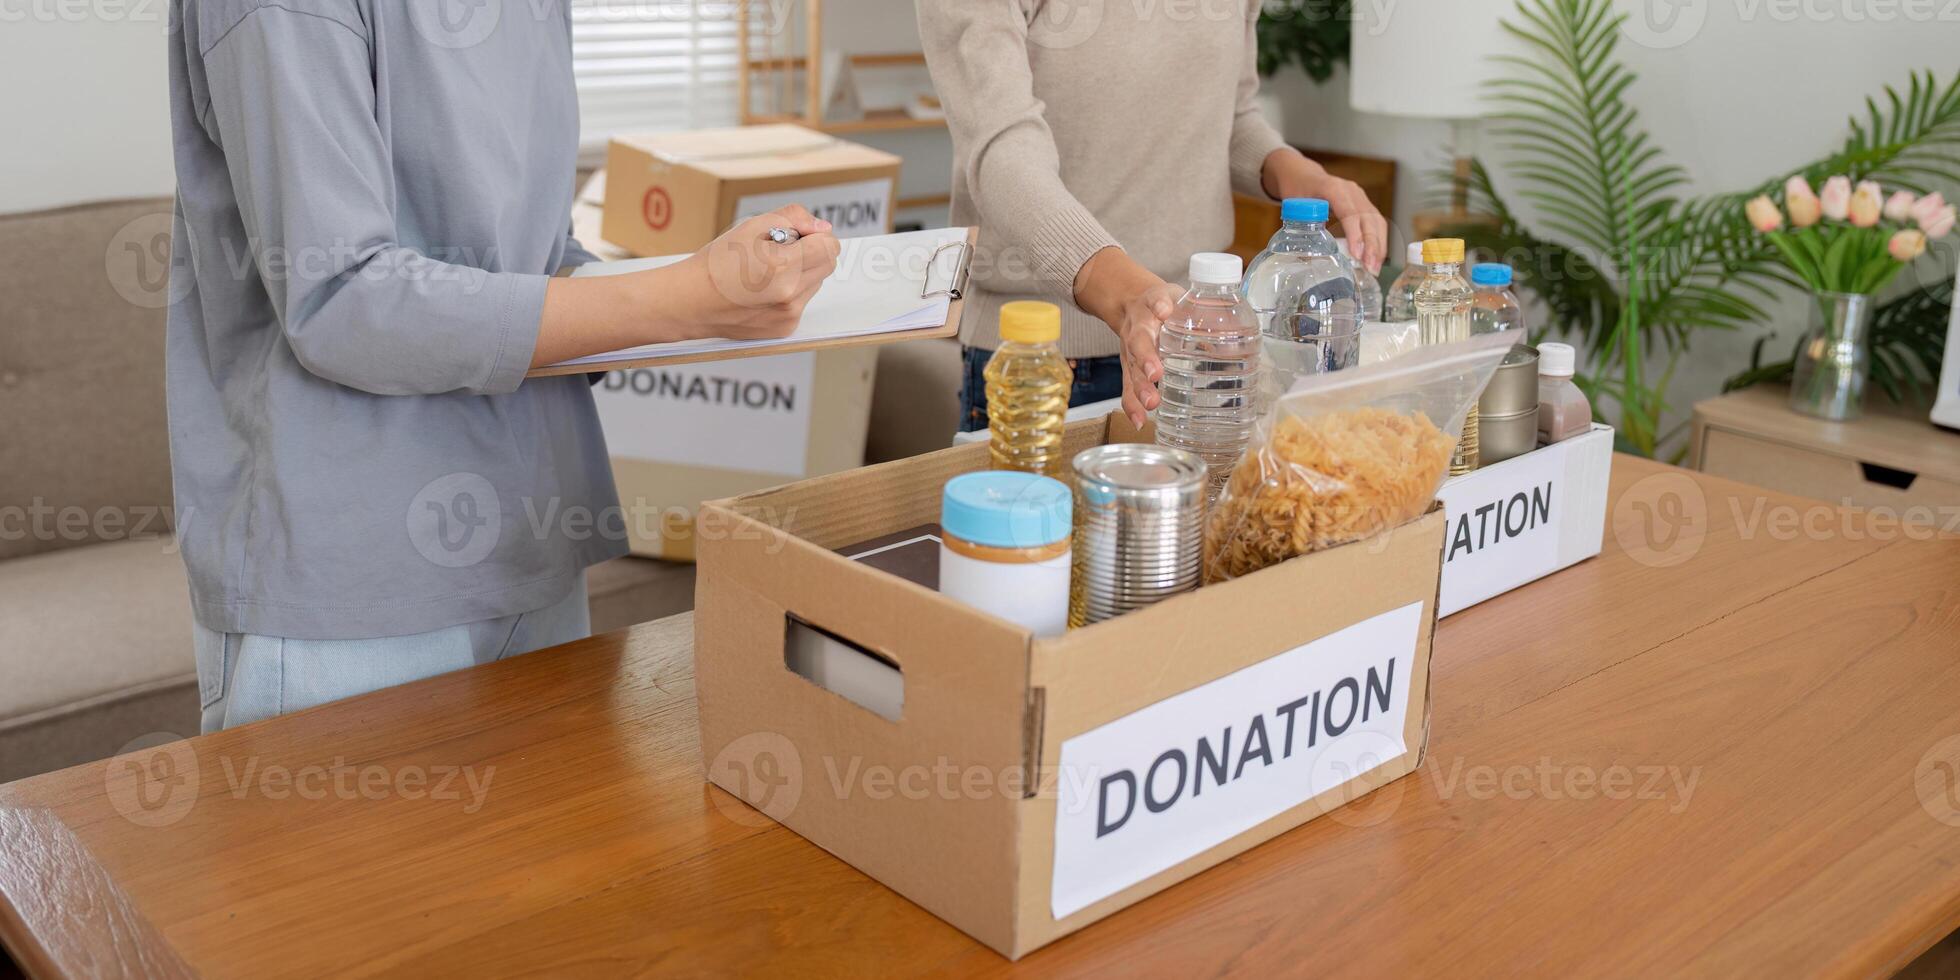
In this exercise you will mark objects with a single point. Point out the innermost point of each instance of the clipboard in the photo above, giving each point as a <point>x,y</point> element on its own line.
<point>947,269</point>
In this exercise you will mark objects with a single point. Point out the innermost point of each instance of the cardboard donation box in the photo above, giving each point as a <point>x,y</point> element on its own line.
<point>683,433</point>
<point>1021,788</point>
<point>1520,520</point>
<point>671,193</point>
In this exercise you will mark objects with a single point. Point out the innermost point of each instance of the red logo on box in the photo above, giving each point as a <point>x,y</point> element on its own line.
<point>658,208</point>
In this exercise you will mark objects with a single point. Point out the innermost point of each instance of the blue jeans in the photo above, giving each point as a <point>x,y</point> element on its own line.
<point>243,678</point>
<point>1096,379</point>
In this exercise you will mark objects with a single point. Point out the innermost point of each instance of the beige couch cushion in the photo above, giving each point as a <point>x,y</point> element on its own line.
<point>82,429</point>
<point>95,644</point>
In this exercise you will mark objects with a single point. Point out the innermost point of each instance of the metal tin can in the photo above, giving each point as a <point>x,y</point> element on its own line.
<point>1514,388</point>
<point>1139,528</point>
<point>1506,436</point>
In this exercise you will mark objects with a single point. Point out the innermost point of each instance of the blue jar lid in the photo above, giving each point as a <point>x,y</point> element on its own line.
<point>1302,209</point>
<point>1006,509</point>
<point>1490,274</point>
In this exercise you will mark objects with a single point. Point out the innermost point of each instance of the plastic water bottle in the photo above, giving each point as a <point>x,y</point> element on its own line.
<point>1210,349</point>
<point>1443,313</point>
<point>1303,291</point>
<point>1493,307</point>
<point>1399,305</point>
<point>1028,384</point>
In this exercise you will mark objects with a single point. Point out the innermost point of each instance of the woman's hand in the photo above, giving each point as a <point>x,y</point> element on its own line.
<point>1289,174</point>
<point>1113,288</point>
<point>743,286</point>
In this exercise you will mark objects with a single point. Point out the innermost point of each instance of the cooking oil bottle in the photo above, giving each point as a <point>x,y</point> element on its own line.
<point>1028,384</point>
<point>1443,316</point>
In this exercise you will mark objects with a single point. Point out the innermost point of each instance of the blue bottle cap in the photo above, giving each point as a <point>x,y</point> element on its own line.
<point>1005,509</point>
<point>1303,209</point>
<point>1490,274</point>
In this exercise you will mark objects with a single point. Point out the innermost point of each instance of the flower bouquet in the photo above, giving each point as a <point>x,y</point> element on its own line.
<point>1846,244</point>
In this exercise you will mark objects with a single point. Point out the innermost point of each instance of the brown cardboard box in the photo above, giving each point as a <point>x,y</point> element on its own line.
<point>671,193</point>
<point>682,434</point>
<point>934,798</point>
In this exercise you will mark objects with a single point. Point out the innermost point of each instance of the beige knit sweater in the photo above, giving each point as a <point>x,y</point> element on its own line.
<point>1079,124</point>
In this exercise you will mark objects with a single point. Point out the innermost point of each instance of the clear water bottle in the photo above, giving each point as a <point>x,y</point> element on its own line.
<point>1028,383</point>
<point>1443,312</point>
<point>1493,307</point>
<point>1210,351</point>
<point>1399,305</point>
<point>1303,291</point>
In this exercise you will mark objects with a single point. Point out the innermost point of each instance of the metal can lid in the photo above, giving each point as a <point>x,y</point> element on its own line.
<point>1138,471</point>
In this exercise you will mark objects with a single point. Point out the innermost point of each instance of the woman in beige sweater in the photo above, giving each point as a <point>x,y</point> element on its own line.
<point>1097,143</point>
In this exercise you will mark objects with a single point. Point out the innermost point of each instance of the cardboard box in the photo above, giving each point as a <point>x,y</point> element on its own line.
<point>671,193</point>
<point>1525,518</point>
<point>1023,788</point>
<point>682,434</point>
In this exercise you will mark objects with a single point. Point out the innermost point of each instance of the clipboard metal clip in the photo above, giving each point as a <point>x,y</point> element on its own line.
<point>956,284</point>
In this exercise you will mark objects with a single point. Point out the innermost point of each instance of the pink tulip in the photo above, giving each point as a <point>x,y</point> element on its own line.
<point>1802,202</point>
<point>1930,204</point>
<point>1907,244</point>
<point>1940,224</point>
<point>1836,198</point>
<point>1763,214</point>
<point>1898,207</point>
<point>1866,203</point>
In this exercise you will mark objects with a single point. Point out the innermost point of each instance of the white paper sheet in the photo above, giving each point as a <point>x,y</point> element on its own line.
<point>876,289</point>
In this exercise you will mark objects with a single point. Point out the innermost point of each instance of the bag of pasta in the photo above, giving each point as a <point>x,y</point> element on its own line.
<point>1346,455</point>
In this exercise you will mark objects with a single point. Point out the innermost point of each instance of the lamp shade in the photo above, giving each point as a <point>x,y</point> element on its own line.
<point>1426,58</point>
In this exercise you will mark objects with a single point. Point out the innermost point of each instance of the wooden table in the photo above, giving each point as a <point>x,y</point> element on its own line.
<point>1724,751</point>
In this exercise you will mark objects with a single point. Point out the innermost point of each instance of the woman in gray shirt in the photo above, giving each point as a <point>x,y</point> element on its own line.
<point>373,201</point>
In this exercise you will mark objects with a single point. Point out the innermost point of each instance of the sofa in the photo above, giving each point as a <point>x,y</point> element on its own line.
<point>95,628</point>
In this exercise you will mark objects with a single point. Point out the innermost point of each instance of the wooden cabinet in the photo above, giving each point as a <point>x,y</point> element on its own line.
<point>1892,458</point>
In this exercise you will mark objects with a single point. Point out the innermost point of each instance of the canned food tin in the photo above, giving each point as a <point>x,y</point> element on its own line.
<point>1514,388</point>
<point>1506,436</point>
<point>1139,528</point>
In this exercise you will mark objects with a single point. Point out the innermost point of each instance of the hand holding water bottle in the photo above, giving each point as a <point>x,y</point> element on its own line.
<point>1113,288</point>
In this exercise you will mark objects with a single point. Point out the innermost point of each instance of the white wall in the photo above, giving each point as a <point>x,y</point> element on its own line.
<point>1760,87</point>
<point>85,111</point>
<point>86,114</point>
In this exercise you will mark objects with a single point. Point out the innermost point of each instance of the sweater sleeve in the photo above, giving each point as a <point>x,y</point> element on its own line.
<point>978,53</point>
<point>292,104</point>
<point>1253,138</point>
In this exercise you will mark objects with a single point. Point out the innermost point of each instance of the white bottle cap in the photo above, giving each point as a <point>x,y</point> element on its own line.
<point>1216,269</point>
<point>1415,253</point>
<point>1556,360</point>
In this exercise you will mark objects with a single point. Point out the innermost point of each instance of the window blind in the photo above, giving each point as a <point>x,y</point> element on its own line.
<point>652,65</point>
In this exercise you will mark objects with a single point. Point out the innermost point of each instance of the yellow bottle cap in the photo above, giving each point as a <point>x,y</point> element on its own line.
<point>1030,322</point>
<point>1437,250</point>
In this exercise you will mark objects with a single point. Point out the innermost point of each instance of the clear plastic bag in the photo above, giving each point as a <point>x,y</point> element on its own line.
<point>1387,341</point>
<point>1347,455</point>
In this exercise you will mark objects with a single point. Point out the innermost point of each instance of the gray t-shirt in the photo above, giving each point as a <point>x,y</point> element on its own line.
<point>370,196</point>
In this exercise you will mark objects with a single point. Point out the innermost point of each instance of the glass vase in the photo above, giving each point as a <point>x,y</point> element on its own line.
<point>1834,360</point>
